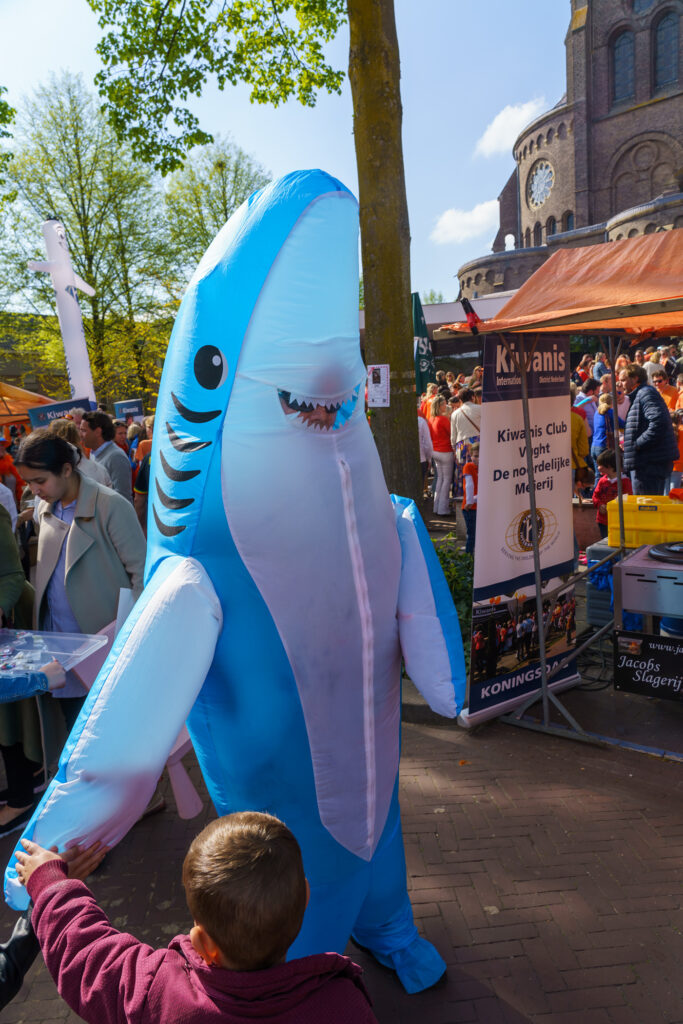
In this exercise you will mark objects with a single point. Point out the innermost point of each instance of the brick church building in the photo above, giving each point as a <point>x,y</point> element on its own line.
<point>607,162</point>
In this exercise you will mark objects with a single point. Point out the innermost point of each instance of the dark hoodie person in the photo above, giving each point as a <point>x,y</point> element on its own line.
<point>246,891</point>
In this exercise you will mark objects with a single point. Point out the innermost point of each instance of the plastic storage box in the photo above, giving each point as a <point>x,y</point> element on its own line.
<point>26,650</point>
<point>647,520</point>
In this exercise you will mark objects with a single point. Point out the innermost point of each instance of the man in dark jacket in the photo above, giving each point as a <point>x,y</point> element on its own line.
<point>650,445</point>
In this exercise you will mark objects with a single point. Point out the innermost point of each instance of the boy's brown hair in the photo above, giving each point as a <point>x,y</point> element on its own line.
<point>244,883</point>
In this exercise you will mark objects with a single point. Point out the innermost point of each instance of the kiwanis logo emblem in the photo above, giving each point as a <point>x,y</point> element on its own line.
<point>519,534</point>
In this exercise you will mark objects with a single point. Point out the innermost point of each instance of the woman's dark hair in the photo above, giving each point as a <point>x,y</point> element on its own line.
<point>43,449</point>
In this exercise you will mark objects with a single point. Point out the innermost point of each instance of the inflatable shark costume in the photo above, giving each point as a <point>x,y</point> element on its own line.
<point>283,585</point>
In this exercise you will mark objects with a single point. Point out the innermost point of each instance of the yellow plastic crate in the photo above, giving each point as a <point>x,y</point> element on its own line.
<point>647,520</point>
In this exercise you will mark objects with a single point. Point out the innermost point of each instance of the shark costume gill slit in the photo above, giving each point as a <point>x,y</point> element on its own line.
<point>283,585</point>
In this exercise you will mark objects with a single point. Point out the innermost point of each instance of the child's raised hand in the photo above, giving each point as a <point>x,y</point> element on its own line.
<point>31,859</point>
<point>80,863</point>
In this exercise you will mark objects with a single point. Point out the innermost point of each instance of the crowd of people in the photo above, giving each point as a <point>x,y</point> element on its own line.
<point>449,422</point>
<point>647,426</point>
<point>79,487</point>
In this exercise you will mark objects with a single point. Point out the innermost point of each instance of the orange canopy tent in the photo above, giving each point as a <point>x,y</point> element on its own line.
<point>15,403</point>
<point>634,286</point>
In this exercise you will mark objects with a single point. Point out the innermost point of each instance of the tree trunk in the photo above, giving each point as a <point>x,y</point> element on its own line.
<point>374,74</point>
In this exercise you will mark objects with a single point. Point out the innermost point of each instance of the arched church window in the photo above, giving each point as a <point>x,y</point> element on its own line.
<point>527,239</point>
<point>568,221</point>
<point>623,69</point>
<point>538,234</point>
<point>550,227</point>
<point>666,51</point>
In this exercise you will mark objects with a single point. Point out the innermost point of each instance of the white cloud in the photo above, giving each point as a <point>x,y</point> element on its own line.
<point>499,136</point>
<point>460,225</point>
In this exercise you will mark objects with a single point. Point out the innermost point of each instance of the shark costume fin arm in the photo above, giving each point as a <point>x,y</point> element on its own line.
<point>428,625</point>
<point>83,286</point>
<point>132,716</point>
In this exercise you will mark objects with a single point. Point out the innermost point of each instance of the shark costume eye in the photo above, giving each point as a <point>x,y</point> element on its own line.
<point>210,367</point>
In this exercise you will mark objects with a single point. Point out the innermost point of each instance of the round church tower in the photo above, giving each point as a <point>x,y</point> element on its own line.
<point>606,162</point>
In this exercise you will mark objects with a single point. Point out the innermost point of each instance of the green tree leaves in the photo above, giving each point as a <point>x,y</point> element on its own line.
<point>202,196</point>
<point>156,55</point>
<point>7,115</point>
<point>134,238</point>
<point>69,164</point>
<point>432,296</point>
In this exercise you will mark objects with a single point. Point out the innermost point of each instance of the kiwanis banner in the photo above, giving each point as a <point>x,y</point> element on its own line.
<point>43,415</point>
<point>505,630</point>
<point>504,558</point>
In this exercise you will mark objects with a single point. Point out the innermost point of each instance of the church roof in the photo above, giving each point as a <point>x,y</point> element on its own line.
<point>633,286</point>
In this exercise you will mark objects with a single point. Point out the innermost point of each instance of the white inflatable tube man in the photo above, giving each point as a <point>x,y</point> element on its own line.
<point>65,282</point>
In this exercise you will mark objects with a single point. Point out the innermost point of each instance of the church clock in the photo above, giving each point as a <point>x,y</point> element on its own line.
<point>540,182</point>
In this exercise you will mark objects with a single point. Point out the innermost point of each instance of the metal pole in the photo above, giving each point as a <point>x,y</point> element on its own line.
<point>534,525</point>
<point>617,450</point>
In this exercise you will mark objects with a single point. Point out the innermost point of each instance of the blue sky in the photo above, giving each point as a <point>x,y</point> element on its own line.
<point>473,73</point>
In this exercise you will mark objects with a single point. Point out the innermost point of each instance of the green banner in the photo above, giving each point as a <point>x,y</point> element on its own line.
<point>425,370</point>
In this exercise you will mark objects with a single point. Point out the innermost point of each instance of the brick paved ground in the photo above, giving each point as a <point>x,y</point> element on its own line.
<point>548,873</point>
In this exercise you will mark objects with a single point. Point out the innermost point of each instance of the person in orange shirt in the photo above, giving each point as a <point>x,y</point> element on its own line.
<point>439,423</point>
<point>145,446</point>
<point>425,407</point>
<point>677,472</point>
<point>679,384</point>
<point>8,471</point>
<point>668,393</point>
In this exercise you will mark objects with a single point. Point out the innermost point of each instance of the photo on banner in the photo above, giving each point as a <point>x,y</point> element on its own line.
<point>505,665</point>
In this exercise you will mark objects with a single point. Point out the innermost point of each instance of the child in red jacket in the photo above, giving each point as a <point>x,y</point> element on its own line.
<point>606,488</point>
<point>470,479</point>
<point>246,890</point>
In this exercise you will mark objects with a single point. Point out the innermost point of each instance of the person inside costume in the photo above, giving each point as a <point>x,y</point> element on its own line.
<point>246,891</point>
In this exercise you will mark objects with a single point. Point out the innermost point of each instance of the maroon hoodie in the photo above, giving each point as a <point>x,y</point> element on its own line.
<point>108,976</point>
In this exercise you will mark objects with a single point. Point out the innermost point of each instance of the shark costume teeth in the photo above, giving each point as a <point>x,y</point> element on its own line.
<point>283,585</point>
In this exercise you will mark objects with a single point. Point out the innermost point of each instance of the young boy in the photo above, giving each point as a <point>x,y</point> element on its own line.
<point>246,890</point>
<point>606,488</point>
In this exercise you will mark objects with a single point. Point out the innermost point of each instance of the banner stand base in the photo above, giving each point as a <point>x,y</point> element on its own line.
<point>564,732</point>
<point>468,720</point>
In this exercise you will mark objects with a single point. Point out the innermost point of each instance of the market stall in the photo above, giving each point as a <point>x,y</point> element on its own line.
<point>623,293</point>
<point>15,403</point>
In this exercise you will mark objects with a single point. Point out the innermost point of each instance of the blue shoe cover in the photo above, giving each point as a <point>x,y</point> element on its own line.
<point>418,965</point>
